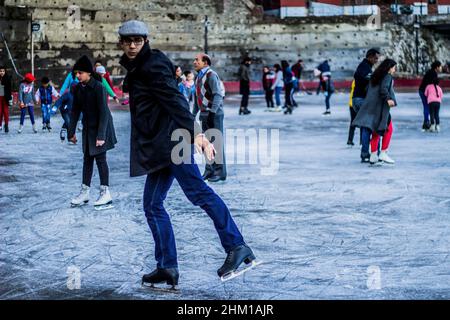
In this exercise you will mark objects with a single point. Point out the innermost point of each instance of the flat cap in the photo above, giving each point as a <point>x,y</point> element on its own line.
<point>133,28</point>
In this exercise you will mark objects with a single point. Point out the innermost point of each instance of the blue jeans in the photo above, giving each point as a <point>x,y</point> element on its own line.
<point>327,100</point>
<point>200,194</point>
<point>46,113</point>
<point>365,142</point>
<point>426,109</point>
<point>23,112</point>
<point>278,95</point>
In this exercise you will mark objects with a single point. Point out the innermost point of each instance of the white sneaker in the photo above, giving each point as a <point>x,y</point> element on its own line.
<point>20,129</point>
<point>385,158</point>
<point>82,198</point>
<point>104,197</point>
<point>373,158</point>
<point>438,128</point>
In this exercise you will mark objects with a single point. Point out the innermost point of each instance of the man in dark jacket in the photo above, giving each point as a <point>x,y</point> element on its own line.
<point>430,77</point>
<point>209,102</point>
<point>244,85</point>
<point>5,98</point>
<point>158,111</point>
<point>98,131</point>
<point>362,78</point>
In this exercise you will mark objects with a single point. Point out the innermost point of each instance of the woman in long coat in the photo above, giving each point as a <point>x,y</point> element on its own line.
<point>375,111</point>
<point>98,131</point>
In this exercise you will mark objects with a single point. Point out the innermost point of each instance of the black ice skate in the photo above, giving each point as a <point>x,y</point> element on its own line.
<point>234,259</point>
<point>169,276</point>
<point>62,134</point>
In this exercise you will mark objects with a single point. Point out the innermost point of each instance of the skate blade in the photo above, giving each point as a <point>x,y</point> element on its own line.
<point>78,205</point>
<point>105,207</point>
<point>235,274</point>
<point>172,289</point>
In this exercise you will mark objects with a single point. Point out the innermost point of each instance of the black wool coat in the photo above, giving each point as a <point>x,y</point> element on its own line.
<point>157,109</point>
<point>90,99</point>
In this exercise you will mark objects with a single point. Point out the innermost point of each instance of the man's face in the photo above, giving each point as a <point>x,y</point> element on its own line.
<point>2,72</point>
<point>374,59</point>
<point>199,64</point>
<point>83,76</point>
<point>132,45</point>
<point>45,85</point>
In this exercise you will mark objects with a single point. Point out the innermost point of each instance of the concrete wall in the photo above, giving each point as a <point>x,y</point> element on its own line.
<point>237,29</point>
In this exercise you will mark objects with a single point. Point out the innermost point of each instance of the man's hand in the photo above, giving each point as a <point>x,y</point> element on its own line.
<point>21,105</point>
<point>73,139</point>
<point>391,103</point>
<point>99,143</point>
<point>203,145</point>
<point>116,100</point>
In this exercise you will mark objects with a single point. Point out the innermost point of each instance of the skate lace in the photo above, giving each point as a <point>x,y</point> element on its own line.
<point>229,257</point>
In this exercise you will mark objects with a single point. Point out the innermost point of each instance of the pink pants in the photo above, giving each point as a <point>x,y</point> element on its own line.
<point>386,139</point>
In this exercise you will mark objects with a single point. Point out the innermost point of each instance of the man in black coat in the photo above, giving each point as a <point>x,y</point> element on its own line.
<point>244,85</point>
<point>362,78</point>
<point>160,116</point>
<point>98,130</point>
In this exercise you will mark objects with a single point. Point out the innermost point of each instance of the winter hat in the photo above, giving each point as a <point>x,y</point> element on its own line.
<point>29,77</point>
<point>133,28</point>
<point>83,64</point>
<point>100,69</point>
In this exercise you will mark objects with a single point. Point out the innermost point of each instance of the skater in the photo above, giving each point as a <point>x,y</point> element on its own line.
<point>244,85</point>
<point>154,96</point>
<point>298,71</point>
<point>44,96</point>
<point>209,101</point>
<point>71,80</point>
<point>430,77</point>
<point>351,130</point>
<point>98,131</point>
<point>101,71</point>
<point>26,101</point>
<point>434,96</point>
<point>267,83</point>
<point>179,76</point>
<point>64,104</point>
<point>189,87</point>
<point>375,111</point>
<point>362,78</point>
<point>278,85</point>
<point>325,84</point>
<point>106,75</point>
<point>5,98</point>
<point>288,79</point>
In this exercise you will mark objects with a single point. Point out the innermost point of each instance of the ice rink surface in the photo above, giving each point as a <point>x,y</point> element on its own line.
<point>326,226</point>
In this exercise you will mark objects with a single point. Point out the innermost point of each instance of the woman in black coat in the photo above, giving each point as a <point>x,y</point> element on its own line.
<point>375,112</point>
<point>98,131</point>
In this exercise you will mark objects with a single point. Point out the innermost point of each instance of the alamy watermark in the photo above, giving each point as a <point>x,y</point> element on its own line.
<point>250,146</point>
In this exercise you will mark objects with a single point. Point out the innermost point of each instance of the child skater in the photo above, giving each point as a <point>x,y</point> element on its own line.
<point>98,131</point>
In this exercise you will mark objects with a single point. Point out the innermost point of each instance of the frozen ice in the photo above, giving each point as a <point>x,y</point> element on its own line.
<point>325,225</point>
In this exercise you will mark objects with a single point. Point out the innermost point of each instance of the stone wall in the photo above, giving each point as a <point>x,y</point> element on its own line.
<point>237,28</point>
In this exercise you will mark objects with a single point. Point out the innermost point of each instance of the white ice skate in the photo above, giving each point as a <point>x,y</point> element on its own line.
<point>433,128</point>
<point>374,160</point>
<point>82,198</point>
<point>104,200</point>
<point>20,129</point>
<point>385,158</point>
<point>438,128</point>
<point>34,128</point>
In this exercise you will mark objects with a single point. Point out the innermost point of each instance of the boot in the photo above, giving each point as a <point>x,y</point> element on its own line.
<point>234,259</point>
<point>48,127</point>
<point>207,174</point>
<point>373,157</point>
<point>104,198</point>
<point>6,128</point>
<point>385,158</point>
<point>169,276</point>
<point>82,198</point>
